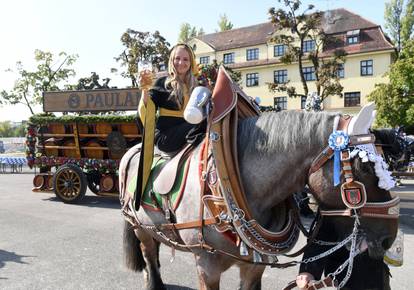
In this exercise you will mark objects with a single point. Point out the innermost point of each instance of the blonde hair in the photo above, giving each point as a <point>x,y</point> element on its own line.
<point>174,82</point>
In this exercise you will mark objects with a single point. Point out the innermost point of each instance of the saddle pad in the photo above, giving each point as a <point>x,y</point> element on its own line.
<point>174,195</point>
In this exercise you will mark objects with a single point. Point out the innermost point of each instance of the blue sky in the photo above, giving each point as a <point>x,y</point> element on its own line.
<point>92,28</point>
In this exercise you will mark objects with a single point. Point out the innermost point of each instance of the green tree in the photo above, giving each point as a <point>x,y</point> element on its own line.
<point>139,46</point>
<point>395,100</point>
<point>6,129</point>
<point>399,21</point>
<point>20,130</point>
<point>187,32</point>
<point>224,23</point>
<point>48,76</point>
<point>292,29</point>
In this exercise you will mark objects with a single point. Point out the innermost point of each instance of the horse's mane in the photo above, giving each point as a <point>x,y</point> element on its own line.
<point>284,131</point>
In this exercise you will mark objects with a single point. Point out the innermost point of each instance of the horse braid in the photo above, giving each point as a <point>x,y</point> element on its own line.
<point>133,257</point>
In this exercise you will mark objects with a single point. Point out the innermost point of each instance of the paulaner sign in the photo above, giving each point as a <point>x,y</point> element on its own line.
<point>91,100</point>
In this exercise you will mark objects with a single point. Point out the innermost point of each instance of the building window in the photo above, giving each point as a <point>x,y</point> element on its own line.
<point>228,58</point>
<point>252,54</point>
<point>308,45</point>
<point>279,50</point>
<point>366,67</point>
<point>252,79</point>
<point>280,76</point>
<point>352,99</point>
<point>303,102</point>
<point>309,73</point>
<point>204,59</point>
<point>280,103</point>
<point>340,71</point>
<point>352,37</point>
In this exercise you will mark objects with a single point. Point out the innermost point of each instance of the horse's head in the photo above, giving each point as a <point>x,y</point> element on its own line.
<point>363,188</point>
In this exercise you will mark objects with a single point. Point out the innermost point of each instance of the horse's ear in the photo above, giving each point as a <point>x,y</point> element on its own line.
<point>362,122</point>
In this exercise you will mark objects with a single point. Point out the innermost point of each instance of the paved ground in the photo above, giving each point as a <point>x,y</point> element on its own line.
<point>45,244</point>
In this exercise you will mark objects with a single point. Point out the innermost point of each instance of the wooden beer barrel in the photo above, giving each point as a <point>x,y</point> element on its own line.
<point>129,129</point>
<point>107,183</point>
<point>103,128</point>
<point>39,181</point>
<point>49,182</point>
<point>83,129</point>
<point>56,128</point>
<point>51,151</point>
<point>93,153</point>
<point>69,152</point>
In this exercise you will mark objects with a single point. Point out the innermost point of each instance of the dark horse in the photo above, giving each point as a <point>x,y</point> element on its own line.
<point>275,154</point>
<point>397,149</point>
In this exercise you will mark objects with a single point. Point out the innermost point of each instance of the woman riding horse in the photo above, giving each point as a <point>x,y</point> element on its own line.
<point>275,153</point>
<point>169,96</point>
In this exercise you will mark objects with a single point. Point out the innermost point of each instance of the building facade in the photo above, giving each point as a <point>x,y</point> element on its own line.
<point>249,50</point>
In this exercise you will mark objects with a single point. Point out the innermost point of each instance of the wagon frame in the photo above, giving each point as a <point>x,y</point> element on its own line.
<point>70,149</point>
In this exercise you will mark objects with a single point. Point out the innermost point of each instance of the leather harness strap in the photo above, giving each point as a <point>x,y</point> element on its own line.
<point>189,225</point>
<point>388,210</point>
<point>328,152</point>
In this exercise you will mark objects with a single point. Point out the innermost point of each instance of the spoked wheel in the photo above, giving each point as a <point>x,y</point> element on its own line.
<point>69,183</point>
<point>94,181</point>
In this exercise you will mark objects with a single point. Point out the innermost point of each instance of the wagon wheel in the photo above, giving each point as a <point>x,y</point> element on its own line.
<point>69,183</point>
<point>94,181</point>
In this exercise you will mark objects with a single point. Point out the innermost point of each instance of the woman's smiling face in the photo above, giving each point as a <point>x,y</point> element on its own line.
<point>182,61</point>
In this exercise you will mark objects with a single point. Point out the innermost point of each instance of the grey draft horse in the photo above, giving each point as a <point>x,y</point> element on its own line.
<point>275,152</point>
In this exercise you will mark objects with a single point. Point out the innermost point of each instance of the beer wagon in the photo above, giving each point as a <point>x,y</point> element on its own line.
<point>76,152</point>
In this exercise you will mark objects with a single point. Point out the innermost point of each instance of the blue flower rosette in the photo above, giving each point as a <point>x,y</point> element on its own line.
<point>338,141</point>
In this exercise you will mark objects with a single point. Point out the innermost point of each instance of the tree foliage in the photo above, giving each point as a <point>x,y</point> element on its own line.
<point>187,32</point>
<point>48,76</point>
<point>399,21</point>
<point>141,46</point>
<point>292,29</point>
<point>395,100</point>
<point>8,130</point>
<point>224,23</point>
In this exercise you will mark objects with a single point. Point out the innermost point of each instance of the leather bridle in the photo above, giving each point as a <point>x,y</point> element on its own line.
<point>388,209</point>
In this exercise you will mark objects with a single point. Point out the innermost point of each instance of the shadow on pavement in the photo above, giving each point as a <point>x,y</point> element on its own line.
<point>175,287</point>
<point>93,201</point>
<point>6,256</point>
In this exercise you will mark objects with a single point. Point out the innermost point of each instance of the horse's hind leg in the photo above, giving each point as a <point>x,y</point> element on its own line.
<point>251,277</point>
<point>150,250</point>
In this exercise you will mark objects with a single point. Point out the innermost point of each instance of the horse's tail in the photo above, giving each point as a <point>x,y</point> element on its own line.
<point>134,260</point>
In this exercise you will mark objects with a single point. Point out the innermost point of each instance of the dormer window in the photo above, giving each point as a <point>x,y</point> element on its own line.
<point>352,36</point>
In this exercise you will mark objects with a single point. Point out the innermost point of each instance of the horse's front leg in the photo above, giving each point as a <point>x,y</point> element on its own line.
<point>251,276</point>
<point>209,269</point>
<point>150,249</point>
